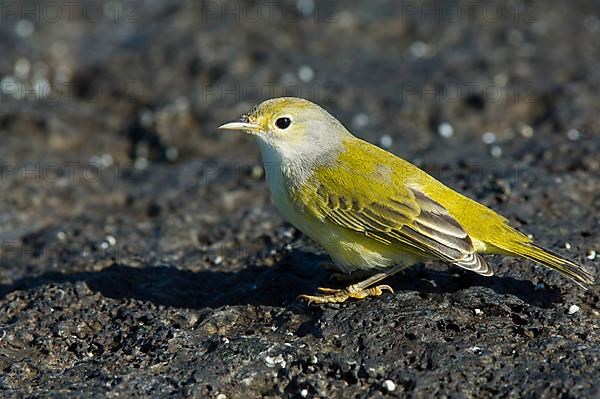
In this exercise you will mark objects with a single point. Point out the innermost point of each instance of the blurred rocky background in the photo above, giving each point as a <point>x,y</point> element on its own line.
<point>140,254</point>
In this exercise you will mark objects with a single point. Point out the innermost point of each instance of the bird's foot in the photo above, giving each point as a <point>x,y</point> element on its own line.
<point>332,295</point>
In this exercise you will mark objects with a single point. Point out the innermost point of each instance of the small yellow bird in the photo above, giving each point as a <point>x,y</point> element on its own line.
<point>373,212</point>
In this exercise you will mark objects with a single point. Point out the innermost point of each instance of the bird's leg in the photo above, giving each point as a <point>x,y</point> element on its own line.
<point>359,290</point>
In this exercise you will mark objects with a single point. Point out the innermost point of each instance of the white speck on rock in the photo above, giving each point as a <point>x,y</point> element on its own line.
<point>106,160</point>
<point>476,350</point>
<point>140,163</point>
<point>24,28</point>
<point>478,312</point>
<point>360,120</point>
<point>386,141</point>
<point>275,361</point>
<point>445,130</point>
<point>389,385</point>
<point>419,49</point>
<point>501,79</point>
<point>573,309</point>
<point>304,393</point>
<point>247,381</point>
<point>567,245</point>
<point>22,68</point>
<point>489,137</point>
<point>526,131</point>
<point>591,254</point>
<point>306,73</point>
<point>270,361</point>
<point>573,134</point>
<point>496,151</point>
<point>221,396</point>
<point>111,240</point>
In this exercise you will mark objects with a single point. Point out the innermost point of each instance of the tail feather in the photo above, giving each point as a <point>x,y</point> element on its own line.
<point>477,264</point>
<point>554,261</point>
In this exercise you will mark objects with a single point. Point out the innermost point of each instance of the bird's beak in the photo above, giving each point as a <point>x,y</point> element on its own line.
<point>241,126</point>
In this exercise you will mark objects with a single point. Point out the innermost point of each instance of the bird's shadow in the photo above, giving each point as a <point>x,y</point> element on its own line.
<point>279,285</point>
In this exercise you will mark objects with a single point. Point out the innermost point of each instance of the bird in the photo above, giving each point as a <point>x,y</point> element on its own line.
<point>373,212</point>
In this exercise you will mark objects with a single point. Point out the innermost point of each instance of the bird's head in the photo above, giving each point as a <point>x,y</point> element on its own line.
<point>292,127</point>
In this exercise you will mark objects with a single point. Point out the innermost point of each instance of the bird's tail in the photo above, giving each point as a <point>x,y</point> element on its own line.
<point>554,261</point>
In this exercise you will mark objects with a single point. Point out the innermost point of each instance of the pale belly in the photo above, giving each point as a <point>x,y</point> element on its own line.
<point>350,251</point>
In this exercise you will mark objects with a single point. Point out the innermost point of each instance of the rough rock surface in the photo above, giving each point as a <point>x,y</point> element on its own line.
<point>141,256</point>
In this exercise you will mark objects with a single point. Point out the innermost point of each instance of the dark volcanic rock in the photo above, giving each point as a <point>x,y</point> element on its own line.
<point>140,255</point>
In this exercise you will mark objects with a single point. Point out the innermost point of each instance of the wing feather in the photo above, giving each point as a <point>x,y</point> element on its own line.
<point>406,217</point>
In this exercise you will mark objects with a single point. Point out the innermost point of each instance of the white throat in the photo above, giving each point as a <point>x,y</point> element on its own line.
<point>282,168</point>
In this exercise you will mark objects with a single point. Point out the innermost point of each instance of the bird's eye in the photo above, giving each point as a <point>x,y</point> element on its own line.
<point>283,123</point>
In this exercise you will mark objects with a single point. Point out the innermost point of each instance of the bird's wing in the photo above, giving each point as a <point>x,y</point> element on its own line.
<point>374,204</point>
